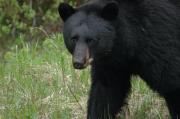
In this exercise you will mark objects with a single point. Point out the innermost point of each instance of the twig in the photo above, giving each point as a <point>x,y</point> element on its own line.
<point>42,30</point>
<point>71,92</point>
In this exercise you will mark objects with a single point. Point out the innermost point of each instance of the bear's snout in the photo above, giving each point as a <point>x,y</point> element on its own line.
<point>78,65</point>
<point>81,56</point>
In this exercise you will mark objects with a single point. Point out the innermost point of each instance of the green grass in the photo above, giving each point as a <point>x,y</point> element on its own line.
<point>39,82</point>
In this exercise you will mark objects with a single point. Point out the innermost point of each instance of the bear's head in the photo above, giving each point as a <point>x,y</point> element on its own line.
<point>88,31</point>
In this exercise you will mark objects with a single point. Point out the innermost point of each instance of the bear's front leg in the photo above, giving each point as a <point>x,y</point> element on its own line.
<point>173,99</point>
<point>108,91</point>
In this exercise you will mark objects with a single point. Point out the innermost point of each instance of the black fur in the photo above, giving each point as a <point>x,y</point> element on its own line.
<point>143,38</point>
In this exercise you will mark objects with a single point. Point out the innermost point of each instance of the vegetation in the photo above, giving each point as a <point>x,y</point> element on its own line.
<point>37,80</point>
<point>28,20</point>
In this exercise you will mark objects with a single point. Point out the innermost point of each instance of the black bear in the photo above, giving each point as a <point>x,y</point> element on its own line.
<point>121,38</point>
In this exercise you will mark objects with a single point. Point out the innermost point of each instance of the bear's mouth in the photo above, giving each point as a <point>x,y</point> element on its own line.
<point>81,56</point>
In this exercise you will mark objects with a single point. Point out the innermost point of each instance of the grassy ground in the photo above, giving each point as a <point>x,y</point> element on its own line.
<point>40,83</point>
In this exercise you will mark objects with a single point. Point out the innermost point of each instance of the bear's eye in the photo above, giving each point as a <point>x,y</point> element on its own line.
<point>75,38</point>
<point>89,40</point>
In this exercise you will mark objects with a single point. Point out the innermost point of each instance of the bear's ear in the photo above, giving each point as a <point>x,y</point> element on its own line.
<point>110,11</point>
<point>65,11</point>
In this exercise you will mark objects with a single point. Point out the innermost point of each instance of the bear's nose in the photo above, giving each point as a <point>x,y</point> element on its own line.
<point>78,65</point>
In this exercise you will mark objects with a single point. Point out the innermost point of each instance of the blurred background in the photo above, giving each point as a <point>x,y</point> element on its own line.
<point>37,80</point>
<point>29,20</point>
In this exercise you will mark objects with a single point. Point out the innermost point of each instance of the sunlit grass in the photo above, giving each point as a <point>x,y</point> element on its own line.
<point>39,82</point>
